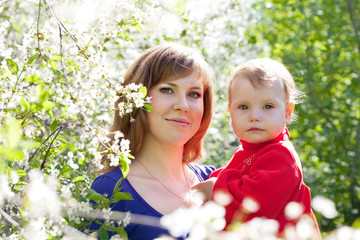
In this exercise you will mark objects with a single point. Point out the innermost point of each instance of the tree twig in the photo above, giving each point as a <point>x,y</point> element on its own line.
<point>47,151</point>
<point>62,62</point>
<point>57,129</point>
<point>38,31</point>
<point>8,218</point>
<point>117,215</point>
<point>60,24</point>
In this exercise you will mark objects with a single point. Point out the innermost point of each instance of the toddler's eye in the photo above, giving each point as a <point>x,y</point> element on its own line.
<point>268,106</point>
<point>243,107</point>
<point>166,90</point>
<point>195,94</point>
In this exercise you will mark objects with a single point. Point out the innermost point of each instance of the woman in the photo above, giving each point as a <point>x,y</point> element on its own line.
<point>166,141</point>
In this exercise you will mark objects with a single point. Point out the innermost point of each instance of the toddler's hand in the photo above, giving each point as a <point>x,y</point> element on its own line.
<point>205,188</point>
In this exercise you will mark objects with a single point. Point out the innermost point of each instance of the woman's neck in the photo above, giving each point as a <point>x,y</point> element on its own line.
<point>164,160</point>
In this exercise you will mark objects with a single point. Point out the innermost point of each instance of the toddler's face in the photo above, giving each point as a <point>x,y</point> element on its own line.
<point>258,114</point>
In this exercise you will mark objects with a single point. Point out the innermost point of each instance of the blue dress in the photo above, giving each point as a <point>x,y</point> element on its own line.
<point>106,183</point>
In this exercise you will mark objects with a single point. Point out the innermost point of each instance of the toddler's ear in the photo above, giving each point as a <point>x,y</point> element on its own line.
<point>228,106</point>
<point>289,111</point>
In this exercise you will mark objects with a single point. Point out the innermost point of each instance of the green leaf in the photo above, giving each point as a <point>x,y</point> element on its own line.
<point>39,92</point>
<point>78,179</point>
<point>50,113</point>
<point>13,134</point>
<point>72,147</point>
<point>29,144</point>
<point>33,78</point>
<point>90,191</point>
<point>11,154</point>
<point>61,138</point>
<point>148,108</point>
<point>4,16</point>
<point>103,233</point>
<point>96,197</point>
<point>13,66</point>
<point>32,58</point>
<point>56,58</point>
<point>63,146</point>
<point>121,231</point>
<point>143,91</point>
<point>137,27</point>
<point>122,196</point>
<point>53,65</point>
<point>22,183</point>
<point>81,224</point>
<point>124,168</point>
<point>356,223</point>
<point>24,104</point>
<point>47,105</point>
<point>21,173</point>
<point>54,124</point>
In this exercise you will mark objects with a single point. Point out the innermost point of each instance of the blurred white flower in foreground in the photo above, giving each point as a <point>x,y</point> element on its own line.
<point>222,198</point>
<point>200,223</point>
<point>35,229</point>
<point>304,230</point>
<point>41,195</point>
<point>250,205</point>
<point>324,206</point>
<point>344,233</point>
<point>5,191</point>
<point>257,228</point>
<point>294,210</point>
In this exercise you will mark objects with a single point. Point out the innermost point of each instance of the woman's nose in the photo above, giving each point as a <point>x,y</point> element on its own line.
<point>181,104</point>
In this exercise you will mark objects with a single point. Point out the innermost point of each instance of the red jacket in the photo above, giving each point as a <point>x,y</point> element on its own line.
<point>269,173</point>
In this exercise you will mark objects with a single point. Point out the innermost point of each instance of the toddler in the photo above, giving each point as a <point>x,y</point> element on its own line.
<point>266,167</point>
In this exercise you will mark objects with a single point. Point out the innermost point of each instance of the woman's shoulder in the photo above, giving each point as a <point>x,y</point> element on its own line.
<point>105,183</point>
<point>203,172</point>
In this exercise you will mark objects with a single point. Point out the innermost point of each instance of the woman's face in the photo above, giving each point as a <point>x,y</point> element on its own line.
<point>178,108</point>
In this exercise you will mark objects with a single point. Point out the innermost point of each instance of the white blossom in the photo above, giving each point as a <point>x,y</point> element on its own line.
<point>41,195</point>
<point>294,210</point>
<point>5,190</point>
<point>106,213</point>
<point>125,145</point>
<point>250,205</point>
<point>325,206</point>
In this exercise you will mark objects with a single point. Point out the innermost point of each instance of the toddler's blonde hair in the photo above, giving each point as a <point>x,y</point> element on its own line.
<point>259,71</point>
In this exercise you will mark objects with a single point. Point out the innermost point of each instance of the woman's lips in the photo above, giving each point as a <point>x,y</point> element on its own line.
<point>179,121</point>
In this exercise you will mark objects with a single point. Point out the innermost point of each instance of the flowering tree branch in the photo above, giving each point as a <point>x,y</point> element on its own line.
<point>124,217</point>
<point>38,32</point>
<point>8,218</point>
<point>57,131</point>
<point>62,63</point>
<point>60,24</point>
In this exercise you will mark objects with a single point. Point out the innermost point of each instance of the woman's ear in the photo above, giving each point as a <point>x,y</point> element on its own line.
<point>289,111</point>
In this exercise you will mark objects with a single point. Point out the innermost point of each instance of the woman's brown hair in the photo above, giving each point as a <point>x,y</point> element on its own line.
<point>160,63</point>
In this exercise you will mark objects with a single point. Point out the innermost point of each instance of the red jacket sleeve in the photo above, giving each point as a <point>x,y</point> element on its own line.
<point>272,178</point>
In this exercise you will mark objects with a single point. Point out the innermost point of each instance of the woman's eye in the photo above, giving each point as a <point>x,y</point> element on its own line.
<point>243,107</point>
<point>268,106</point>
<point>195,94</point>
<point>166,90</point>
